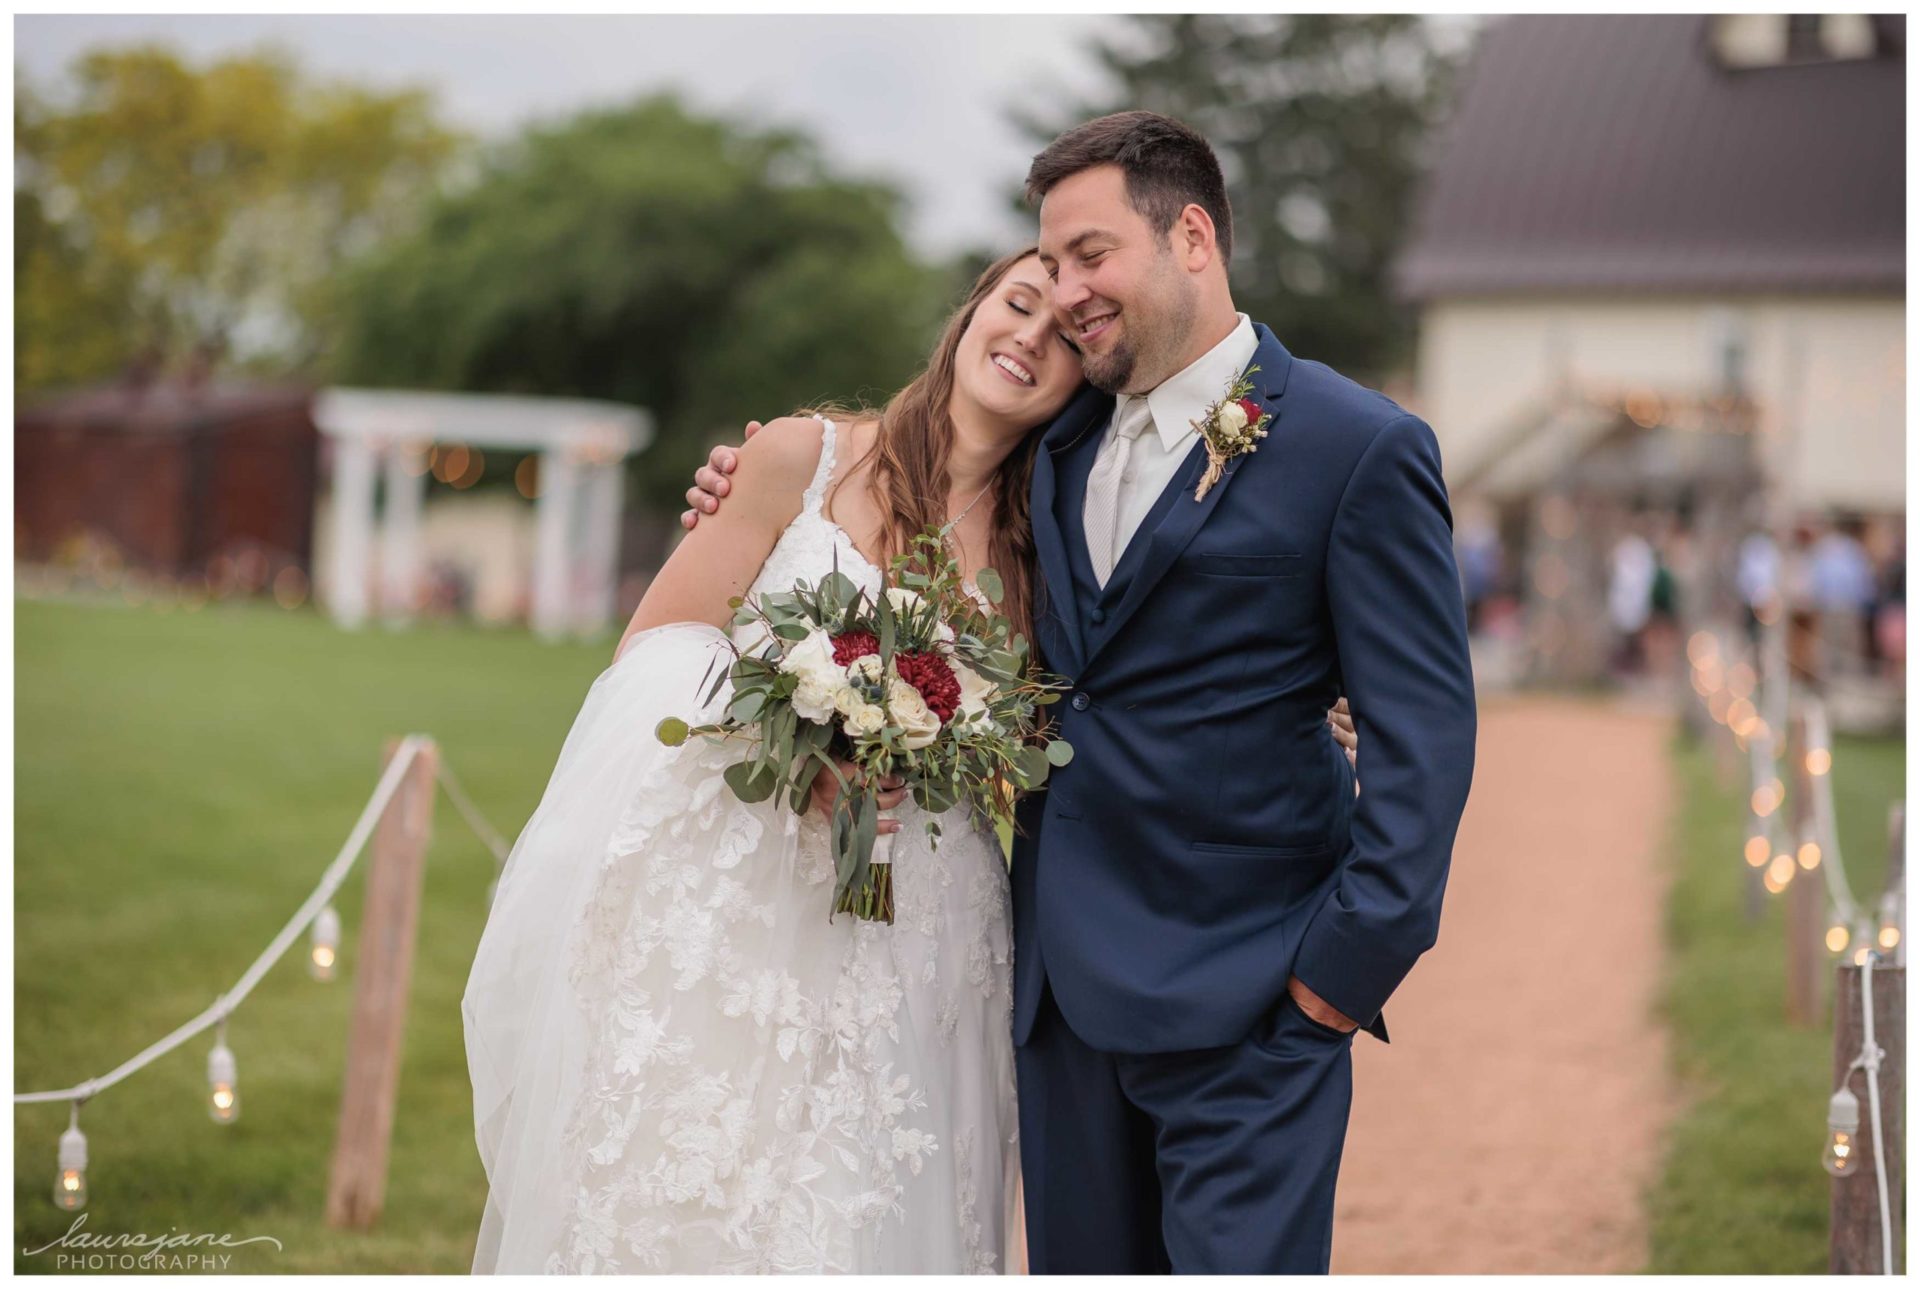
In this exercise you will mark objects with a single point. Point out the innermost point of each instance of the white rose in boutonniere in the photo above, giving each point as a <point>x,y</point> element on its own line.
<point>1232,427</point>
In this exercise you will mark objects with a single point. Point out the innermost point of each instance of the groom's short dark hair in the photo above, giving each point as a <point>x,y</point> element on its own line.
<point>1168,165</point>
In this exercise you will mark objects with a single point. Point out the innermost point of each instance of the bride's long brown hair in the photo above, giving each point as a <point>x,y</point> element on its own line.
<point>908,481</point>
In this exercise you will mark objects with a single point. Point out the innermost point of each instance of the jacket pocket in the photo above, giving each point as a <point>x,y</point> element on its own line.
<point>1248,565</point>
<point>1314,851</point>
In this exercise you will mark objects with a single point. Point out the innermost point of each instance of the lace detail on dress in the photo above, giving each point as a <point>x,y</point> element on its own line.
<point>979,1261</point>
<point>767,1091</point>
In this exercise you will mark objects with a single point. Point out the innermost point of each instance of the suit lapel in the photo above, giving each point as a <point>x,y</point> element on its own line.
<point>1088,410</point>
<point>1182,521</point>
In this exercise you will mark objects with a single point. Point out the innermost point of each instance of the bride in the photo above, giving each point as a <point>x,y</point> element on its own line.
<point>678,1063</point>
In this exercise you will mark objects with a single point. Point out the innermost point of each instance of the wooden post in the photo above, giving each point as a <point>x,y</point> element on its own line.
<point>356,1190</point>
<point>1806,894</point>
<point>1855,1234</point>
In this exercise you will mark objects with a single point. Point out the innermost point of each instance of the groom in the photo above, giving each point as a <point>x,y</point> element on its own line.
<point>1204,912</point>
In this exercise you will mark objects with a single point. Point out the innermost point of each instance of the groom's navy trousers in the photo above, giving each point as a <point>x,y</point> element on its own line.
<point>1177,1110</point>
<point>1217,1160</point>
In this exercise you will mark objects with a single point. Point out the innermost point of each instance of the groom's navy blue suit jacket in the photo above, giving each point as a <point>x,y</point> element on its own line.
<point>1206,841</point>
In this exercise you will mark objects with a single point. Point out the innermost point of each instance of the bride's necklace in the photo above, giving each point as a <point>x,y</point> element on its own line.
<point>955,521</point>
<point>952,530</point>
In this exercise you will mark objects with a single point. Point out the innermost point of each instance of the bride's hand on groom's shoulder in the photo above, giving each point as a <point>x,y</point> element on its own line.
<point>710,481</point>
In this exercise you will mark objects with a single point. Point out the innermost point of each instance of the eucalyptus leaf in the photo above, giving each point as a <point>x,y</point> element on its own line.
<point>748,784</point>
<point>990,585</point>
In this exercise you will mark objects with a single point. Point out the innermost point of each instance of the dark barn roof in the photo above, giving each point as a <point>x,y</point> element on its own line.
<point>1617,153</point>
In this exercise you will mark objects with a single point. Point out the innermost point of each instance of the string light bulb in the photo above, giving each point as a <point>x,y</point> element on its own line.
<point>1779,873</point>
<point>1759,851</point>
<point>1892,914</point>
<point>70,1183</point>
<point>223,1080</point>
<point>1809,855</point>
<point>325,950</point>
<point>1842,1155</point>
<point>1838,938</point>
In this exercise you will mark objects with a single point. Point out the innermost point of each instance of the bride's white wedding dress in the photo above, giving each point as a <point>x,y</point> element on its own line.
<point>678,1063</point>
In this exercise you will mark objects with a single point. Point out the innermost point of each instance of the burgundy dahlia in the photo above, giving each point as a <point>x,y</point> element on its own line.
<point>854,644</point>
<point>933,677</point>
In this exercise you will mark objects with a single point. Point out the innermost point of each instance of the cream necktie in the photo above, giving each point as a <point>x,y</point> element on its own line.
<point>1102,516</point>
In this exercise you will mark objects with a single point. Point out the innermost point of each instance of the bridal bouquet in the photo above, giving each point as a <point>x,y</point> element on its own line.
<point>920,683</point>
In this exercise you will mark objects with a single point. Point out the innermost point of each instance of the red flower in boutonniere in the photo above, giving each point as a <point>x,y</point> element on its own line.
<point>1231,427</point>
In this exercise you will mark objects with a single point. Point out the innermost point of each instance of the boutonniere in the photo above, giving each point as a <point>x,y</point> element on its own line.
<point>1231,427</point>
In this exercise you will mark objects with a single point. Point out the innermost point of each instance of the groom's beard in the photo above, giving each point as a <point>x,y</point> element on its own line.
<point>1109,373</point>
<point>1127,370</point>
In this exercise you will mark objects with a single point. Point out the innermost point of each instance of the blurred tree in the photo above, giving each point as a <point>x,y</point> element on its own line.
<point>707,272</point>
<point>161,209</point>
<point>1318,121</point>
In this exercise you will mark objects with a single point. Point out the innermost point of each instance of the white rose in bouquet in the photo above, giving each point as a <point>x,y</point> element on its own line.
<point>865,720</point>
<point>1232,418</point>
<point>975,690</point>
<point>847,700</point>
<point>919,724</point>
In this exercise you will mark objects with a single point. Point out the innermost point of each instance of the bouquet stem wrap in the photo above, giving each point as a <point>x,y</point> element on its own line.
<point>869,896</point>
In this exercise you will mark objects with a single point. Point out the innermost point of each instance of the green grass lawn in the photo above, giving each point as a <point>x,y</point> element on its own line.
<point>1742,1190</point>
<point>181,779</point>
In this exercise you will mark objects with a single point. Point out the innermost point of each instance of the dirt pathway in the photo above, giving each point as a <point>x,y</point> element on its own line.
<point>1515,1119</point>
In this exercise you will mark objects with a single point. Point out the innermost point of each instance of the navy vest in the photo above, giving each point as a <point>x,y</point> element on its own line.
<point>1092,602</point>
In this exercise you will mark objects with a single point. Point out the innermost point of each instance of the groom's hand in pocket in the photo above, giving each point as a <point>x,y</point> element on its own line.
<point>1317,1007</point>
<point>826,791</point>
<point>710,482</point>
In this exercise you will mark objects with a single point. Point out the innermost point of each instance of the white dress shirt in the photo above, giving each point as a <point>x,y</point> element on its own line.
<point>1174,404</point>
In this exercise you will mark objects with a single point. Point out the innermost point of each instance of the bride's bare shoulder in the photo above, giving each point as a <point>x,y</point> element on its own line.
<point>785,451</point>
<point>858,432</point>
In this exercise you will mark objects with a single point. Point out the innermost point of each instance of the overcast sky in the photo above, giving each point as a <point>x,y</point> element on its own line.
<point>921,101</point>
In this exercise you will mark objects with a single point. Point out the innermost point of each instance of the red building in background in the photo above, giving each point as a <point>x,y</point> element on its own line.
<point>171,472</point>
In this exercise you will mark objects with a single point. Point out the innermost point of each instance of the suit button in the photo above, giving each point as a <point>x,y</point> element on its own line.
<point>1081,702</point>
<point>1098,616</point>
